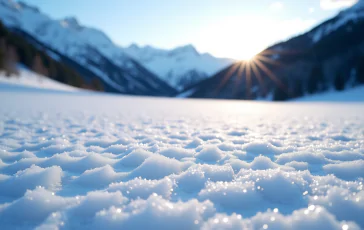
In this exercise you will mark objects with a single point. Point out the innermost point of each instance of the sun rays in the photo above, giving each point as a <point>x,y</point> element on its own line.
<point>258,68</point>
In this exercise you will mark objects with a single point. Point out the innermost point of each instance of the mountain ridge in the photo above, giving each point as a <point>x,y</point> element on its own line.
<point>69,36</point>
<point>88,50</point>
<point>332,49</point>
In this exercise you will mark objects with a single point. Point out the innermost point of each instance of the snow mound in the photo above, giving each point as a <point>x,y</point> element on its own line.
<point>177,153</point>
<point>42,202</point>
<point>157,167</point>
<point>263,148</point>
<point>142,188</point>
<point>210,154</point>
<point>310,218</point>
<point>134,159</point>
<point>155,213</point>
<point>346,170</point>
<point>30,178</point>
<point>98,177</point>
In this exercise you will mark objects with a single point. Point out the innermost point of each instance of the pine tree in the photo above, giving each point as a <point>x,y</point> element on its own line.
<point>38,67</point>
<point>25,54</point>
<point>280,94</point>
<point>2,53</point>
<point>3,30</point>
<point>97,85</point>
<point>360,71</point>
<point>315,80</point>
<point>298,89</point>
<point>52,69</point>
<point>339,82</point>
<point>11,60</point>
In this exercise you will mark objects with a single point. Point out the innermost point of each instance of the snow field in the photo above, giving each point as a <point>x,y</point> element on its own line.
<point>74,161</point>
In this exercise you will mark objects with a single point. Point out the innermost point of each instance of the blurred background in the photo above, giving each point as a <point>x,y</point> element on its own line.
<point>266,50</point>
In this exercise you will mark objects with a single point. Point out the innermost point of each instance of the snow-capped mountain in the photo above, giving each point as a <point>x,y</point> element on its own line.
<point>180,67</point>
<point>86,49</point>
<point>336,47</point>
<point>353,14</point>
<point>91,48</point>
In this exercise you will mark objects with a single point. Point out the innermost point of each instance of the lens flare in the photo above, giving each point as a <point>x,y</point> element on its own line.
<point>258,66</point>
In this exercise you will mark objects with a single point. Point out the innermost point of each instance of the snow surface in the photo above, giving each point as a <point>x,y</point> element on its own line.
<point>27,79</point>
<point>98,161</point>
<point>349,95</point>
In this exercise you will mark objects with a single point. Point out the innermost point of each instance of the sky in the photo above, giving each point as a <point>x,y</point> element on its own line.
<point>224,28</point>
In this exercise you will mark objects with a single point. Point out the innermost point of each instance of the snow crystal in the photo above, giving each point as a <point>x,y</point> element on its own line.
<point>141,188</point>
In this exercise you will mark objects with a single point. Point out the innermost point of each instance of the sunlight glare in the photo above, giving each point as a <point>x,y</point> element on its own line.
<point>240,38</point>
<point>249,57</point>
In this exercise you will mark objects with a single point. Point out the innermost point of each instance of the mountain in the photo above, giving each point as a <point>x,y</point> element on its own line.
<point>306,64</point>
<point>88,50</point>
<point>132,70</point>
<point>180,67</point>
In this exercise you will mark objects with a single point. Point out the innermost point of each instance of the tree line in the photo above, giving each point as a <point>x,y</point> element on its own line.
<point>316,82</point>
<point>15,49</point>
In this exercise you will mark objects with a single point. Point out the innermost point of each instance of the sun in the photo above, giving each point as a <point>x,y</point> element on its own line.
<point>235,37</point>
<point>256,66</point>
<point>238,51</point>
<point>248,57</point>
<point>246,51</point>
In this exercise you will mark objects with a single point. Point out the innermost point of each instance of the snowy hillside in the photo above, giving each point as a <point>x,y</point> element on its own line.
<point>308,63</point>
<point>91,48</point>
<point>354,13</point>
<point>29,79</point>
<point>179,67</point>
<point>75,161</point>
<point>350,95</point>
<point>87,50</point>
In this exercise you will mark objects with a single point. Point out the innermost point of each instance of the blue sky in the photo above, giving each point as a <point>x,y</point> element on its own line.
<point>224,28</point>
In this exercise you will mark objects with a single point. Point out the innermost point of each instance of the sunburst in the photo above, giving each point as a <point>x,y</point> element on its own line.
<point>258,67</point>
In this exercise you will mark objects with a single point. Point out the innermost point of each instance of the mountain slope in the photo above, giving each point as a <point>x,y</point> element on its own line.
<point>85,48</point>
<point>334,47</point>
<point>355,94</point>
<point>31,80</point>
<point>180,67</point>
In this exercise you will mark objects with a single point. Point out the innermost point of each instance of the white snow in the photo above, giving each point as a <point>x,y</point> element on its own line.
<point>174,65</point>
<point>352,14</point>
<point>91,161</point>
<point>29,79</point>
<point>355,94</point>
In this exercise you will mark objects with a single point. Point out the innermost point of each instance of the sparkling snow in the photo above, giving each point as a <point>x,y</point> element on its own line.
<point>92,161</point>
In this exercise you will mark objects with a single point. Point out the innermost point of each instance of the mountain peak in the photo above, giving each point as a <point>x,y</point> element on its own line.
<point>357,7</point>
<point>24,5</point>
<point>185,49</point>
<point>71,22</point>
<point>133,46</point>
